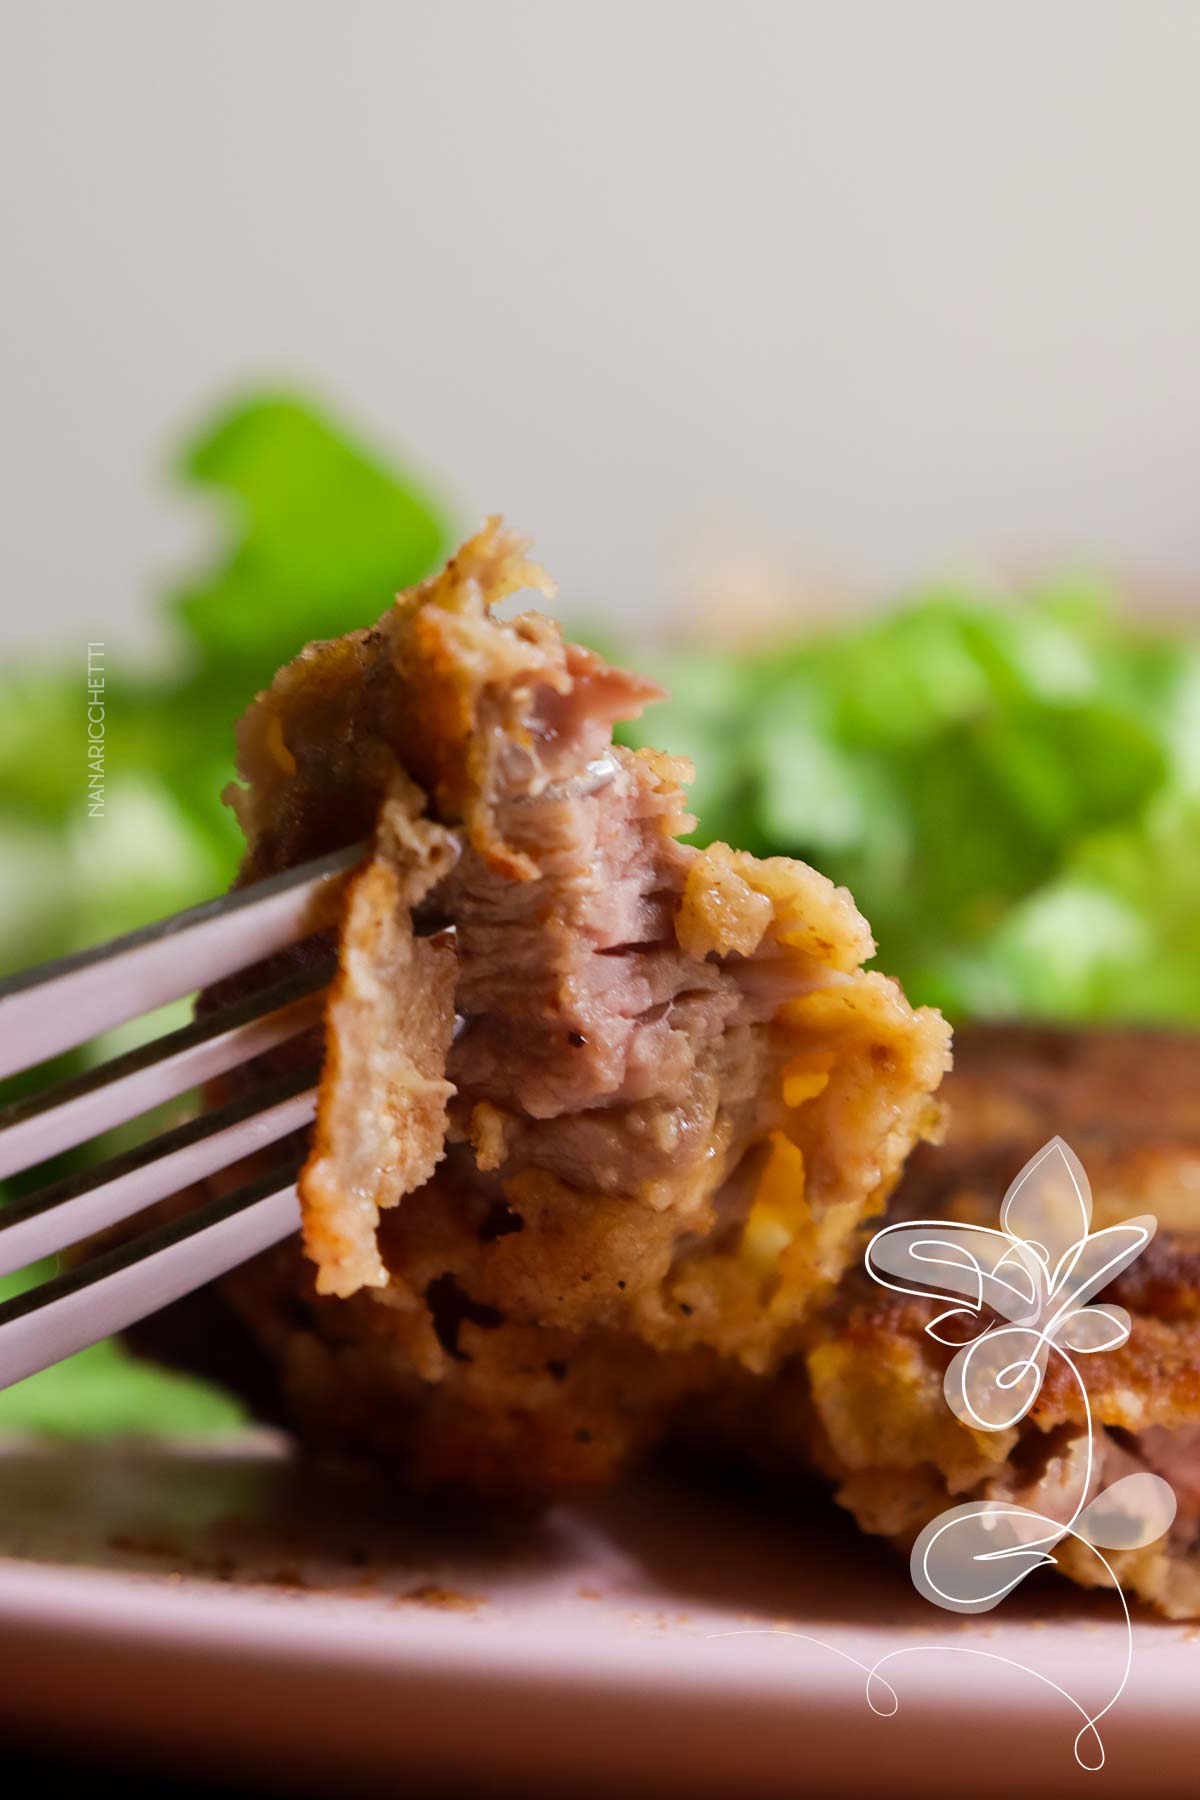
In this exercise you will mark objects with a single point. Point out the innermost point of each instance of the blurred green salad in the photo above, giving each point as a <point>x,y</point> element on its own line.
<point>1011,788</point>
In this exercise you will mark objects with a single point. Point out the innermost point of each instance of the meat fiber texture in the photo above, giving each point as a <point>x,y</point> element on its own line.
<point>866,1402</point>
<point>600,1113</point>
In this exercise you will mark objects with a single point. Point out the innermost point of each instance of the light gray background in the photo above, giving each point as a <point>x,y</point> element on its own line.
<point>695,293</point>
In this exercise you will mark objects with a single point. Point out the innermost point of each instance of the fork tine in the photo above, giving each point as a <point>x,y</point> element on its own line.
<point>47,1323</point>
<point>52,1008</point>
<point>33,1129</point>
<point>68,1211</point>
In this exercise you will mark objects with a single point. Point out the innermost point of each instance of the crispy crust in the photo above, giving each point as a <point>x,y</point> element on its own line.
<point>437,690</point>
<point>382,1111</point>
<point>673,1096</point>
<point>866,1402</point>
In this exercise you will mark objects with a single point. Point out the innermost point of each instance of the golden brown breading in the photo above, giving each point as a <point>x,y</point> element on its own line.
<point>867,1402</point>
<point>384,1097</point>
<point>613,1127</point>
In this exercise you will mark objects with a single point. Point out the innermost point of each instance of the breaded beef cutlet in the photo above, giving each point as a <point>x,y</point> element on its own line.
<point>600,1113</point>
<point>866,1401</point>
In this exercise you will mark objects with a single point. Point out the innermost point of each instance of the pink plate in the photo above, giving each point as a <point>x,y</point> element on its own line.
<point>224,1609</point>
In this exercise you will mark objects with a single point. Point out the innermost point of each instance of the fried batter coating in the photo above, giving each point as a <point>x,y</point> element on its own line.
<point>610,1129</point>
<point>389,1022</point>
<point>867,1403</point>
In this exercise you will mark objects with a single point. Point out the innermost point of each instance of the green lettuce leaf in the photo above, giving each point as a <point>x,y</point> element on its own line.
<point>324,532</point>
<point>1008,789</point>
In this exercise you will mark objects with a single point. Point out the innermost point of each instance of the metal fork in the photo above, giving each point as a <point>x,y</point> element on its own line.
<point>62,1004</point>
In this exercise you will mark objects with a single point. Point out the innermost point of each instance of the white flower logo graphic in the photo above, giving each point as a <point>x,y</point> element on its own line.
<point>1036,1274</point>
<point>1023,1292</point>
